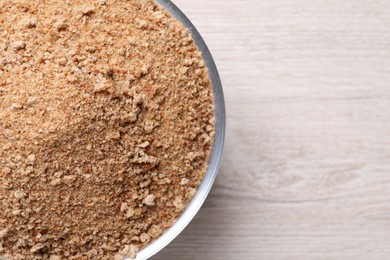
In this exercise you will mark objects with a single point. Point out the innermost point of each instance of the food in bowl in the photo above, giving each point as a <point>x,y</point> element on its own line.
<point>106,126</point>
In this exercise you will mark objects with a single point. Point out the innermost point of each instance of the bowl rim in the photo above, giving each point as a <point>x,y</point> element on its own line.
<point>216,152</point>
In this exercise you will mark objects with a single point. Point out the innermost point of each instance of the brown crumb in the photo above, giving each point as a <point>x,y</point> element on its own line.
<point>149,200</point>
<point>4,232</point>
<point>106,125</point>
<point>86,9</point>
<point>154,231</point>
<point>19,45</point>
<point>144,237</point>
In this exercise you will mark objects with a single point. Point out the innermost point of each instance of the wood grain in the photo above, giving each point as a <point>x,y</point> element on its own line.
<point>306,168</point>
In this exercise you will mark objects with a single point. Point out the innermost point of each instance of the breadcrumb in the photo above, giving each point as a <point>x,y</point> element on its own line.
<point>106,125</point>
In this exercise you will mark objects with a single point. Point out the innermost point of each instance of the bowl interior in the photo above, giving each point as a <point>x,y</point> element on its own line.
<point>216,152</point>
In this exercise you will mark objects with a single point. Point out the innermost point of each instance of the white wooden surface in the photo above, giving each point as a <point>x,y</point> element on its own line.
<point>306,169</point>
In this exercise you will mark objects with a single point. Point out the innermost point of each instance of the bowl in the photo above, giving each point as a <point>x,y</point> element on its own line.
<point>216,152</point>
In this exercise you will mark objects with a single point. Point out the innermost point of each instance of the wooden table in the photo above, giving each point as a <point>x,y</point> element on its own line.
<point>306,168</point>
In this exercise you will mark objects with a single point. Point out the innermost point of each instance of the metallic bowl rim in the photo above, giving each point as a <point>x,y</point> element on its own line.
<point>218,142</point>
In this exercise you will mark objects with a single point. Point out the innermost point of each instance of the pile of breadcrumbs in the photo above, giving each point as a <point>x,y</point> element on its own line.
<point>106,125</point>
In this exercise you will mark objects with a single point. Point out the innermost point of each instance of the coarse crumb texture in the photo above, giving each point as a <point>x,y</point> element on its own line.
<point>106,125</point>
